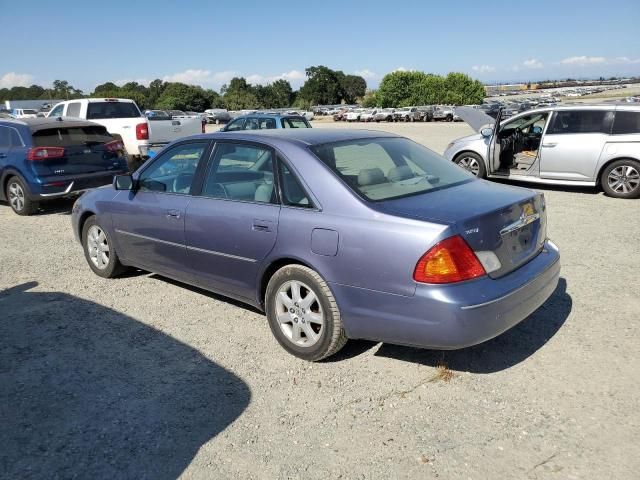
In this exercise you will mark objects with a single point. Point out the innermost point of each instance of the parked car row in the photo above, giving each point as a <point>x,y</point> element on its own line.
<point>426,113</point>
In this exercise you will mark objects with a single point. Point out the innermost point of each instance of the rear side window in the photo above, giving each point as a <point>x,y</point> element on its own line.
<point>67,136</point>
<point>96,110</point>
<point>292,192</point>
<point>626,122</point>
<point>73,109</point>
<point>5,137</point>
<point>581,121</point>
<point>294,123</point>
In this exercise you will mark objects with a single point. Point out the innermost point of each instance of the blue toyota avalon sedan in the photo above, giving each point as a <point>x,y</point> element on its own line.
<point>335,234</point>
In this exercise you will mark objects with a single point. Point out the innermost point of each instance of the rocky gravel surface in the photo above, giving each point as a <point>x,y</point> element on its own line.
<point>143,377</point>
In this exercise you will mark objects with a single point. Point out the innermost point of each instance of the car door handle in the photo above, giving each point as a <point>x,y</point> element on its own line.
<point>3,155</point>
<point>549,145</point>
<point>173,213</point>
<point>261,226</point>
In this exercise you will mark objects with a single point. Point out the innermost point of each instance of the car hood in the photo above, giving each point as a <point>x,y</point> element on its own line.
<point>469,138</point>
<point>476,118</point>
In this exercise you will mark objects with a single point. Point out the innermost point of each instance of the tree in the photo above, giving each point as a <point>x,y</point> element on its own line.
<point>397,88</point>
<point>353,87</point>
<point>322,86</point>
<point>179,96</point>
<point>155,90</point>
<point>239,95</point>
<point>370,99</point>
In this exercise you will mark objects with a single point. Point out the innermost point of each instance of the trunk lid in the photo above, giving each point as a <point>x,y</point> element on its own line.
<point>508,221</point>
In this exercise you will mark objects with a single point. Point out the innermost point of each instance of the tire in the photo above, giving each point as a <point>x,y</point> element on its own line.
<point>17,195</point>
<point>471,162</point>
<point>106,269</point>
<point>449,118</point>
<point>621,179</point>
<point>287,314</point>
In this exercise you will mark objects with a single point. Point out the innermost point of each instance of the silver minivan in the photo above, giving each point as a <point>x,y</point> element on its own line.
<point>584,145</point>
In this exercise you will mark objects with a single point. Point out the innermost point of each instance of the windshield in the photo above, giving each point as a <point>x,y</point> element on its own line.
<point>97,110</point>
<point>385,168</point>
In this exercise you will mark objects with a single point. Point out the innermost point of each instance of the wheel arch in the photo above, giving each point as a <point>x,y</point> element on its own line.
<point>4,181</point>
<point>82,219</point>
<point>467,150</point>
<point>268,272</point>
<point>609,162</point>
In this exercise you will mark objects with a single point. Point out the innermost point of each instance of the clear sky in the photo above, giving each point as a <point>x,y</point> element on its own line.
<point>208,42</point>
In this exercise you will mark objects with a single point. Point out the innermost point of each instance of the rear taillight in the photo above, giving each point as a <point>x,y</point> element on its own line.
<point>204,124</point>
<point>44,153</point>
<point>114,146</point>
<point>449,261</point>
<point>142,131</point>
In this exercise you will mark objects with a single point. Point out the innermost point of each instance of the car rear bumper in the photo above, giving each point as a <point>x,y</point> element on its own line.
<point>62,187</point>
<point>451,316</point>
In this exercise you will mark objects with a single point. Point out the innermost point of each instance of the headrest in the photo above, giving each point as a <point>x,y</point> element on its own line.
<point>370,176</point>
<point>400,173</point>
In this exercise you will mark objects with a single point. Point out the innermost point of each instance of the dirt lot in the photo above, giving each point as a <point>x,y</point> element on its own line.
<point>142,377</point>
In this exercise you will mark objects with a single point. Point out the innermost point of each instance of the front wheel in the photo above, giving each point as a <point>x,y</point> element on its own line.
<point>471,162</point>
<point>621,179</point>
<point>303,314</point>
<point>99,250</point>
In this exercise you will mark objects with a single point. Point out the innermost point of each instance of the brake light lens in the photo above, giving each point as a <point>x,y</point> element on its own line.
<point>449,261</point>
<point>44,153</point>
<point>142,131</point>
<point>114,146</point>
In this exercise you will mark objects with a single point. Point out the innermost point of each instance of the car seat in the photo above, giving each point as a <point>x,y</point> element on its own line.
<point>371,176</point>
<point>402,172</point>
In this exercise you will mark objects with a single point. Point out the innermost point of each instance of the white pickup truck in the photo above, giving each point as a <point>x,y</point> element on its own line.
<point>122,117</point>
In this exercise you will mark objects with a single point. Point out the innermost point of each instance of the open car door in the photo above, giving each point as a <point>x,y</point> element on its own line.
<point>493,155</point>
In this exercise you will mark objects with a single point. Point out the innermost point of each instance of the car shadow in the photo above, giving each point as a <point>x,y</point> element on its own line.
<point>504,351</point>
<point>88,392</point>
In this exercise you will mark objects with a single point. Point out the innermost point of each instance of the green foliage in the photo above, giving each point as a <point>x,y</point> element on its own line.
<point>180,96</point>
<point>370,99</point>
<point>322,86</point>
<point>401,89</point>
<point>353,87</point>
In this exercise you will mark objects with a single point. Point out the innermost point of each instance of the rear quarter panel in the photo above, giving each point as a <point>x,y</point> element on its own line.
<point>616,147</point>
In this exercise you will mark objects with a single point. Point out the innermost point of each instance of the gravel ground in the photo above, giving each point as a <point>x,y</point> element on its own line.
<point>142,377</point>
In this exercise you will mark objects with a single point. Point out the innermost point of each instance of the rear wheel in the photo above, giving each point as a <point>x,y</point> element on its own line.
<point>471,162</point>
<point>303,314</point>
<point>621,179</point>
<point>16,194</point>
<point>99,250</point>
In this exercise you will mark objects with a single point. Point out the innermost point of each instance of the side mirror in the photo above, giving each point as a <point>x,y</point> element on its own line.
<point>486,132</point>
<point>123,182</point>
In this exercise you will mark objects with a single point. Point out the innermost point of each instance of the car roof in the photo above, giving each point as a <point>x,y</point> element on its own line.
<point>42,123</point>
<point>305,136</point>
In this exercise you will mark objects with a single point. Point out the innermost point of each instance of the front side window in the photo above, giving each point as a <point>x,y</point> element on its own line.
<point>581,121</point>
<point>626,122</point>
<point>73,109</point>
<point>57,112</point>
<point>241,172</point>
<point>386,168</point>
<point>173,171</point>
<point>294,123</point>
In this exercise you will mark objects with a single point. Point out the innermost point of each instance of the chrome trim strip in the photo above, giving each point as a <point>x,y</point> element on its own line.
<point>220,254</point>
<point>58,193</point>
<point>523,221</point>
<point>513,292</point>
<point>194,249</point>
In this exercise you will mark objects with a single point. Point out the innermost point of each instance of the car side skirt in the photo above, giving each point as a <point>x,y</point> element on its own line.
<point>546,181</point>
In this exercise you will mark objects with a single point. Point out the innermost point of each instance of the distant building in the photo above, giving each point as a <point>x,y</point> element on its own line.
<point>33,104</point>
<point>511,87</point>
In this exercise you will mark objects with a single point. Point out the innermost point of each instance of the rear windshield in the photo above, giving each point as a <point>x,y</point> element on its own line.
<point>385,168</point>
<point>67,136</point>
<point>32,112</point>
<point>112,110</point>
<point>294,123</point>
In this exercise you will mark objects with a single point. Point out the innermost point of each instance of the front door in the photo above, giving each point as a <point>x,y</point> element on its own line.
<point>232,224</point>
<point>493,153</point>
<point>573,142</point>
<point>149,221</point>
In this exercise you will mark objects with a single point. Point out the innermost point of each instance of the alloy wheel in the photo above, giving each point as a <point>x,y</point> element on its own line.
<point>16,196</point>
<point>299,313</point>
<point>98,247</point>
<point>624,179</point>
<point>470,164</point>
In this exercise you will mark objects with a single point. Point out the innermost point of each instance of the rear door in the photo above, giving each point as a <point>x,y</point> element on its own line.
<point>232,224</point>
<point>573,143</point>
<point>149,221</point>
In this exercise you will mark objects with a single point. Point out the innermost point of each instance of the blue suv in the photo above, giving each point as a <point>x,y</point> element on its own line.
<point>47,158</point>
<point>266,121</point>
